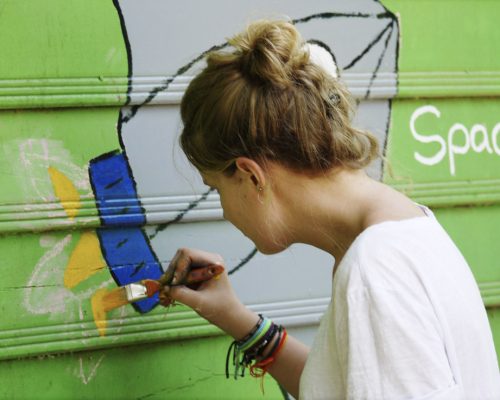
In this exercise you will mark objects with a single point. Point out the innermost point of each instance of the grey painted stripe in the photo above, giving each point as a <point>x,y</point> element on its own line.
<point>163,209</point>
<point>74,92</point>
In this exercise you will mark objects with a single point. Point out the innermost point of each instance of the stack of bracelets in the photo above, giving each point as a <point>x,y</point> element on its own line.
<point>249,351</point>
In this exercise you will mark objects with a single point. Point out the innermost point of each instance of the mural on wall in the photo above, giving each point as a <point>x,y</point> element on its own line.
<point>95,192</point>
<point>130,253</point>
<point>359,37</point>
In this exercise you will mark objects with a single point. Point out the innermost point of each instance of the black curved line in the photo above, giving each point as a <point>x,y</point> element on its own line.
<point>127,46</point>
<point>327,48</point>
<point>379,62</point>
<point>244,261</point>
<point>369,47</point>
<point>395,21</point>
<point>129,89</point>
<point>193,204</point>
<point>180,71</point>
<point>396,70</point>
<point>327,15</point>
<point>127,163</point>
<point>155,91</point>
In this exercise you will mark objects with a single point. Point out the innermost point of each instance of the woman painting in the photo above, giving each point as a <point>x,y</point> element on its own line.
<point>271,130</point>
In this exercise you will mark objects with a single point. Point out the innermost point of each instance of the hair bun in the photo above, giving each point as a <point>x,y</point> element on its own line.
<point>270,51</point>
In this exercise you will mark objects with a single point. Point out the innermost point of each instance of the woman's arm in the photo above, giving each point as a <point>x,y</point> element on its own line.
<point>217,302</point>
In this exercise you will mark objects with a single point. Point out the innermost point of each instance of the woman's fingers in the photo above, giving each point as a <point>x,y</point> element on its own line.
<point>165,299</point>
<point>182,294</point>
<point>200,257</point>
<point>184,260</point>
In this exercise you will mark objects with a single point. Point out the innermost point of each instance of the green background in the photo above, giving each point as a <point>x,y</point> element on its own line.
<point>71,54</point>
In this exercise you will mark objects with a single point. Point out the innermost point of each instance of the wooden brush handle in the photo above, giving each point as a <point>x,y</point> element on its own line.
<point>196,275</point>
<point>203,274</point>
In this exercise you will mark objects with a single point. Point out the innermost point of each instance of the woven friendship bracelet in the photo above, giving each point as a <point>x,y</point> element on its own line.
<point>252,346</point>
<point>256,351</point>
<point>261,331</point>
<point>259,369</point>
<point>241,356</point>
<point>254,329</point>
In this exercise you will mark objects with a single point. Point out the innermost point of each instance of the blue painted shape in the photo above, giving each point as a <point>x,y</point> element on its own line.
<point>127,251</point>
<point>130,259</point>
<point>114,190</point>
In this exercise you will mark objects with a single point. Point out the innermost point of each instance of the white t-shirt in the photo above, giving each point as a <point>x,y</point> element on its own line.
<point>406,321</point>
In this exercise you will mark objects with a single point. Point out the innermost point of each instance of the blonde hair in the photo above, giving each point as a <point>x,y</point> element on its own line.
<point>267,101</point>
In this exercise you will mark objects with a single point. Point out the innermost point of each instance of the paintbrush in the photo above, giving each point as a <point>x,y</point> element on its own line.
<point>148,287</point>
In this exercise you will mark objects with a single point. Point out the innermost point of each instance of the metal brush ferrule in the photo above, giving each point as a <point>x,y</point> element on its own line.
<point>136,291</point>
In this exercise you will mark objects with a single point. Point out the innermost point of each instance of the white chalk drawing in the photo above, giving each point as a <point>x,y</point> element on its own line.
<point>90,366</point>
<point>45,292</point>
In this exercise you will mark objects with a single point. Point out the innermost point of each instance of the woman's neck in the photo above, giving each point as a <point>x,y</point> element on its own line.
<point>330,211</point>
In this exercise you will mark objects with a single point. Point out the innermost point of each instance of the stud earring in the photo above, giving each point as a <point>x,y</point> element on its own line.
<point>260,190</point>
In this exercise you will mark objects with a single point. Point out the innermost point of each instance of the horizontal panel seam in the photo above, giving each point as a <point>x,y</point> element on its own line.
<point>87,91</point>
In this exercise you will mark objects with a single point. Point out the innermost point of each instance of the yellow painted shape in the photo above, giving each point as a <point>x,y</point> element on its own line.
<point>65,191</point>
<point>85,260</point>
<point>104,300</point>
<point>99,311</point>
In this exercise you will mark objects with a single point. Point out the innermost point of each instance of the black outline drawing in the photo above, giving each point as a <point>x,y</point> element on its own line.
<point>126,117</point>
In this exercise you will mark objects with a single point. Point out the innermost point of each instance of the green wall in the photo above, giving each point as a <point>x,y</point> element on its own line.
<point>64,75</point>
<point>448,62</point>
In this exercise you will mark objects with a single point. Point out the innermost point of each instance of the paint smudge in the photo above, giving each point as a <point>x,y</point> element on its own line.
<point>85,260</point>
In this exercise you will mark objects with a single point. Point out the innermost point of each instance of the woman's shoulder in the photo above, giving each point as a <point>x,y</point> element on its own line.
<point>390,252</point>
<point>399,234</point>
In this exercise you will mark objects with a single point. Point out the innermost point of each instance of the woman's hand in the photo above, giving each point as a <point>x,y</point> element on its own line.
<point>214,300</point>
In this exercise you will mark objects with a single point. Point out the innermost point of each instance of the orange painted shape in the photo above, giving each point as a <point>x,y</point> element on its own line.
<point>85,260</point>
<point>105,300</point>
<point>66,191</point>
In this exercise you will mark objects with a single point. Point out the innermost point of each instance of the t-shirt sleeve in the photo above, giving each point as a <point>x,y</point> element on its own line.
<point>390,346</point>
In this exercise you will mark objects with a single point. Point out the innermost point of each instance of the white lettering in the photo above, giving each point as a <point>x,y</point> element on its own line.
<point>477,139</point>
<point>485,144</point>
<point>494,136</point>
<point>453,148</point>
<point>427,139</point>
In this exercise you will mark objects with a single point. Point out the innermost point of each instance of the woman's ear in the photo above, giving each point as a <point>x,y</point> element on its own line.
<point>252,170</point>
